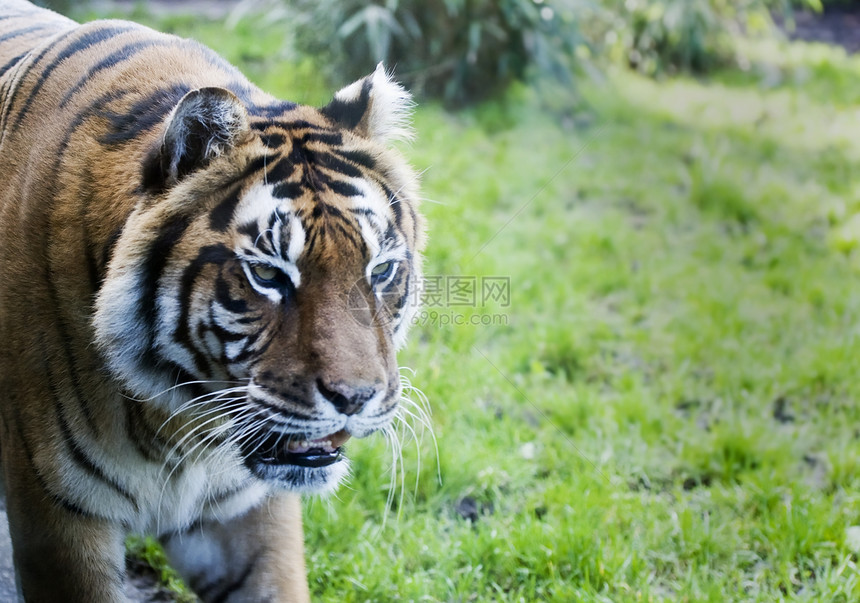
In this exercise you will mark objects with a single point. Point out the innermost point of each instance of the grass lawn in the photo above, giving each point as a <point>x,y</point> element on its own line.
<point>664,408</point>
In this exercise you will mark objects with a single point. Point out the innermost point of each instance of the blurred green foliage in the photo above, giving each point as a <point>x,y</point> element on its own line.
<point>666,36</point>
<point>467,50</point>
<point>457,50</point>
<point>61,6</point>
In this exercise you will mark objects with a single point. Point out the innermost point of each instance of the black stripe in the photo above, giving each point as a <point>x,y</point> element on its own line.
<point>276,222</point>
<point>11,101</point>
<point>76,449</point>
<point>11,63</point>
<point>68,345</point>
<point>284,251</point>
<point>93,272</point>
<point>211,254</point>
<point>222,214</point>
<point>146,438</point>
<point>115,58</point>
<point>251,230</point>
<point>312,241</point>
<point>330,138</point>
<point>137,432</point>
<point>156,260</point>
<point>90,253</point>
<point>313,180</point>
<point>107,250</point>
<point>344,189</point>
<point>144,115</point>
<point>298,124</point>
<point>250,351</point>
<point>84,42</point>
<point>80,118</point>
<point>55,498</point>
<point>394,204</point>
<point>335,163</point>
<point>255,165</point>
<point>273,140</point>
<point>215,60</point>
<point>328,210</point>
<point>278,411</point>
<point>288,190</point>
<point>281,170</point>
<point>231,304</point>
<point>223,335</point>
<point>216,500</point>
<point>237,584</point>
<point>223,586</point>
<point>390,233</point>
<point>349,113</point>
<point>225,360</point>
<point>351,235</point>
<point>21,32</point>
<point>360,158</point>
<point>85,462</point>
<point>395,282</point>
<point>23,14</point>
<point>270,111</point>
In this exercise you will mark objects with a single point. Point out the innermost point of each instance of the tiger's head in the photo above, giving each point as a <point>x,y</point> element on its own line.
<point>271,267</point>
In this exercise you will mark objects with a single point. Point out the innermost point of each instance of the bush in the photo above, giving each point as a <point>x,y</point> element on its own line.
<point>666,36</point>
<point>467,50</point>
<point>458,50</point>
<point>61,6</point>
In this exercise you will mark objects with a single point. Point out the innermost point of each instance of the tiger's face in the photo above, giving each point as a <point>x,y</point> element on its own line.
<point>280,280</point>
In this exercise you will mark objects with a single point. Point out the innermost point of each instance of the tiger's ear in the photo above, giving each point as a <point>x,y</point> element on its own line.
<point>374,107</point>
<point>204,124</point>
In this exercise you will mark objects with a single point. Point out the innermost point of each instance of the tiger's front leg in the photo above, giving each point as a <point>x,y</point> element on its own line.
<point>255,557</point>
<point>61,553</point>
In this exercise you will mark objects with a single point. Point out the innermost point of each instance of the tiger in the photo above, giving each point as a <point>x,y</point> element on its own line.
<point>203,290</point>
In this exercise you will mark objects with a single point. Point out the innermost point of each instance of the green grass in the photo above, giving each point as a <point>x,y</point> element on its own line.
<point>668,411</point>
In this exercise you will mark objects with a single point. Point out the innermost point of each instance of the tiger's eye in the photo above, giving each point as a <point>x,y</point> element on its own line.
<point>381,270</point>
<point>265,272</point>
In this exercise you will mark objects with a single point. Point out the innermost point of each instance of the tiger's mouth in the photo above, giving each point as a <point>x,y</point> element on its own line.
<point>277,451</point>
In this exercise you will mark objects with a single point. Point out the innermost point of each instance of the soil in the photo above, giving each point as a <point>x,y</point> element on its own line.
<point>837,25</point>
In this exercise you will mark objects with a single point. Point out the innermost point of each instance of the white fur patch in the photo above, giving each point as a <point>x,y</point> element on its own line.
<point>258,206</point>
<point>390,106</point>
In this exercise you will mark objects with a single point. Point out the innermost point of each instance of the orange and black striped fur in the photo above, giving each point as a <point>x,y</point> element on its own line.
<point>202,289</point>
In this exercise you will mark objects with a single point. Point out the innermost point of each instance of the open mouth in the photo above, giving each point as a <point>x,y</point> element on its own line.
<point>278,449</point>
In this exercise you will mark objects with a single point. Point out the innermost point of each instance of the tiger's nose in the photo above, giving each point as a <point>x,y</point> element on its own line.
<point>346,399</point>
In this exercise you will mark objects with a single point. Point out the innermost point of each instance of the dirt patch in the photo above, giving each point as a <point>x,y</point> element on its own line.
<point>839,26</point>
<point>143,585</point>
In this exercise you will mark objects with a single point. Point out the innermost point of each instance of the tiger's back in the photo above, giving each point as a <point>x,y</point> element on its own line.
<point>180,257</point>
<point>23,27</point>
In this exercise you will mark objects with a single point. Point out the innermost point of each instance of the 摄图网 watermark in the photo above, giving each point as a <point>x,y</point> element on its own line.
<point>443,300</point>
<point>447,291</point>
